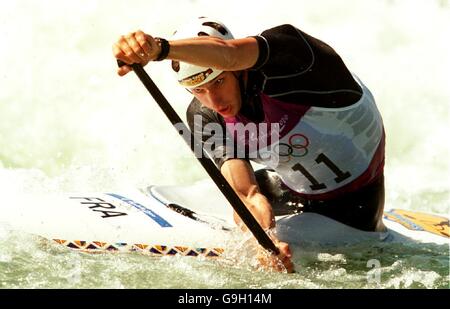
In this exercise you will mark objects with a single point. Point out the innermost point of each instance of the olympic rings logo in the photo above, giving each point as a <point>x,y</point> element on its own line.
<point>297,147</point>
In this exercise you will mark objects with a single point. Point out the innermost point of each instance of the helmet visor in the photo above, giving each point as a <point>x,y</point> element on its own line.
<point>196,79</point>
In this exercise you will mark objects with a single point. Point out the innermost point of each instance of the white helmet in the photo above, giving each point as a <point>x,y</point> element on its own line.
<point>190,75</point>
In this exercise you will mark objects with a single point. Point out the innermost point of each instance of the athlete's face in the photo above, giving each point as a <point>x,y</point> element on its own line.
<point>222,95</point>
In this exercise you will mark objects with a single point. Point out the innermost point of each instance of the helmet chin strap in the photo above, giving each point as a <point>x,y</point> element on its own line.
<point>248,108</point>
<point>242,85</point>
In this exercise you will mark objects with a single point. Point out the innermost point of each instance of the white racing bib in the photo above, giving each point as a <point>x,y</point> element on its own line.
<point>325,148</point>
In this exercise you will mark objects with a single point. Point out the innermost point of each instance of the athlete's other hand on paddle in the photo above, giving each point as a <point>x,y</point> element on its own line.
<point>136,47</point>
<point>241,177</point>
<point>281,262</point>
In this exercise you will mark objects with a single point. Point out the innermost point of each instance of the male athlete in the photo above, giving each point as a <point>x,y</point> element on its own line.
<point>329,154</point>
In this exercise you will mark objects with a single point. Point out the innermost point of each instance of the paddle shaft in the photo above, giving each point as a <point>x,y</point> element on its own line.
<point>205,161</point>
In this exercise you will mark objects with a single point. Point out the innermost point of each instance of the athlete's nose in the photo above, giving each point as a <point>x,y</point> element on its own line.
<point>215,100</point>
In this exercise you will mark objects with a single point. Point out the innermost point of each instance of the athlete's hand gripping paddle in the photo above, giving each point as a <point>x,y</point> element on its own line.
<point>205,161</point>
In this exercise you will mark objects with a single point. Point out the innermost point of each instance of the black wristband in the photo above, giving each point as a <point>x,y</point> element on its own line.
<point>165,48</point>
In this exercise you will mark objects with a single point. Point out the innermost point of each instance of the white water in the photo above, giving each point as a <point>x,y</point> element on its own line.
<point>69,123</point>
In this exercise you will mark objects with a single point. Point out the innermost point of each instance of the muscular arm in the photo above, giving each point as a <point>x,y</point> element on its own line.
<point>240,176</point>
<point>226,55</point>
